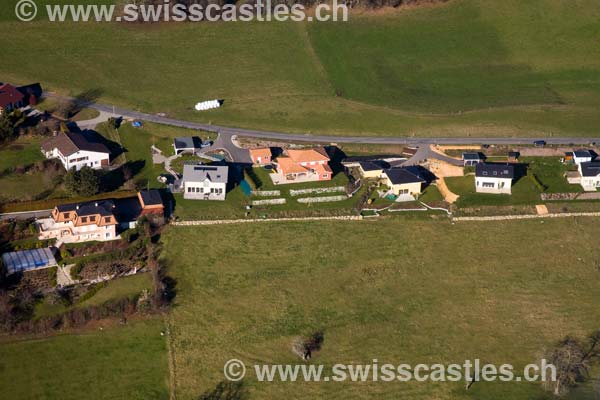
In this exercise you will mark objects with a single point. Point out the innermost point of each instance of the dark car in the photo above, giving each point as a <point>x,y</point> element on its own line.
<point>539,143</point>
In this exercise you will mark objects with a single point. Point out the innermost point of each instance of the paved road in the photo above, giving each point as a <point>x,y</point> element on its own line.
<point>325,138</point>
<point>26,215</point>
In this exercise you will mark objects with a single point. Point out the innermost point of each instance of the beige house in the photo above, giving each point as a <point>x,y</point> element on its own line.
<point>402,181</point>
<point>369,169</point>
<point>80,222</point>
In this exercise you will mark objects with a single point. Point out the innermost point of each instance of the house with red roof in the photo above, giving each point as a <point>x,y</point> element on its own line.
<point>260,156</point>
<point>10,98</point>
<point>303,165</point>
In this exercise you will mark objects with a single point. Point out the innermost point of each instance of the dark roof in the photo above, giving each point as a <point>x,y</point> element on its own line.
<point>582,153</point>
<point>495,170</point>
<point>471,156</point>
<point>189,142</point>
<point>151,197</point>
<point>402,175</point>
<point>590,168</point>
<point>71,142</point>
<point>34,89</point>
<point>102,207</point>
<point>369,166</point>
<point>9,95</point>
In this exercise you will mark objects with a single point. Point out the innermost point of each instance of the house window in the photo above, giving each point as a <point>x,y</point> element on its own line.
<point>487,184</point>
<point>84,219</point>
<point>325,175</point>
<point>93,218</point>
<point>66,215</point>
<point>189,189</point>
<point>107,219</point>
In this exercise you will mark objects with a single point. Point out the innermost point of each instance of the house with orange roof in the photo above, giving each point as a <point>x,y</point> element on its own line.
<point>304,165</point>
<point>261,156</point>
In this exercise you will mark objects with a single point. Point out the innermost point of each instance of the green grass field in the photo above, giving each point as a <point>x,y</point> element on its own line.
<point>401,290</point>
<point>465,68</point>
<point>117,362</point>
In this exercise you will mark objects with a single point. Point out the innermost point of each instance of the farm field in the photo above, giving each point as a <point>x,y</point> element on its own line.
<point>413,299</point>
<point>463,68</point>
<point>117,362</point>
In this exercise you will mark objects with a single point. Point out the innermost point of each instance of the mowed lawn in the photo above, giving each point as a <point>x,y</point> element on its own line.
<point>119,362</point>
<point>399,290</point>
<point>464,68</point>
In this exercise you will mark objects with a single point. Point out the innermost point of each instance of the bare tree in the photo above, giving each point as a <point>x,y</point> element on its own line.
<point>572,359</point>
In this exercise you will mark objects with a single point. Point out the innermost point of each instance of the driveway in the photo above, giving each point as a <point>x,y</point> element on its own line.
<point>225,142</point>
<point>427,153</point>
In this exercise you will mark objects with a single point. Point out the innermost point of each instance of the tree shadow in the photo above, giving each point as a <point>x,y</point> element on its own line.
<point>114,179</point>
<point>227,391</point>
<point>85,99</point>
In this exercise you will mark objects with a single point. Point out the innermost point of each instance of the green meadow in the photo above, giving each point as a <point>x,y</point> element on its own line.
<point>463,68</point>
<point>402,290</point>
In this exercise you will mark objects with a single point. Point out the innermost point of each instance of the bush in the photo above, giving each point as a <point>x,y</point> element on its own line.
<point>52,276</point>
<point>76,271</point>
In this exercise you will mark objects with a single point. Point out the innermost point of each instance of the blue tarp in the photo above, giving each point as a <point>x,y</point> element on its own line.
<point>27,260</point>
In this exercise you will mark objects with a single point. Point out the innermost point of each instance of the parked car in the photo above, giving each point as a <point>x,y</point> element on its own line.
<point>539,143</point>
<point>206,143</point>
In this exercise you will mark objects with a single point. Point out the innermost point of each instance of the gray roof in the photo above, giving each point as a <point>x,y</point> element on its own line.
<point>27,260</point>
<point>399,176</point>
<point>189,142</point>
<point>591,168</point>
<point>495,170</point>
<point>199,173</point>
<point>471,156</point>
<point>582,153</point>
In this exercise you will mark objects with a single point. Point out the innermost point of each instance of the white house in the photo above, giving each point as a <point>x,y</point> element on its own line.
<point>581,156</point>
<point>204,182</point>
<point>590,175</point>
<point>494,178</point>
<point>75,151</point>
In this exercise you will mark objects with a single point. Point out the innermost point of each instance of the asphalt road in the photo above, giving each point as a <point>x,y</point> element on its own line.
<point>25,215</point>
<point>330,139</point>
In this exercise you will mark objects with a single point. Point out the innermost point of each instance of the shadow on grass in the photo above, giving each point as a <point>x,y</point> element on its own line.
<point>227,391</point>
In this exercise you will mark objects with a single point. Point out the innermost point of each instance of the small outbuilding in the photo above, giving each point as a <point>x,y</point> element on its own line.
<point>470,159</point>
<point>189,144</point>
<point>513,156</point>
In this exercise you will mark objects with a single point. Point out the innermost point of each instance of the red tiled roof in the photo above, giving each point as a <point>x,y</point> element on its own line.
<point>308,155</point>
<point>9,95</point>
<point>262,153</point>
<point>286,166</point>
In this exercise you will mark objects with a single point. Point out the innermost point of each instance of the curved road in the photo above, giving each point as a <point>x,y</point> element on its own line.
<point>325,138</point>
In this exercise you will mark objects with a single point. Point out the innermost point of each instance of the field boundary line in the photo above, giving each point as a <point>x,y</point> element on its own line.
<point>528,216</point>
<point>171,360</point>
<point>242,221</point>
